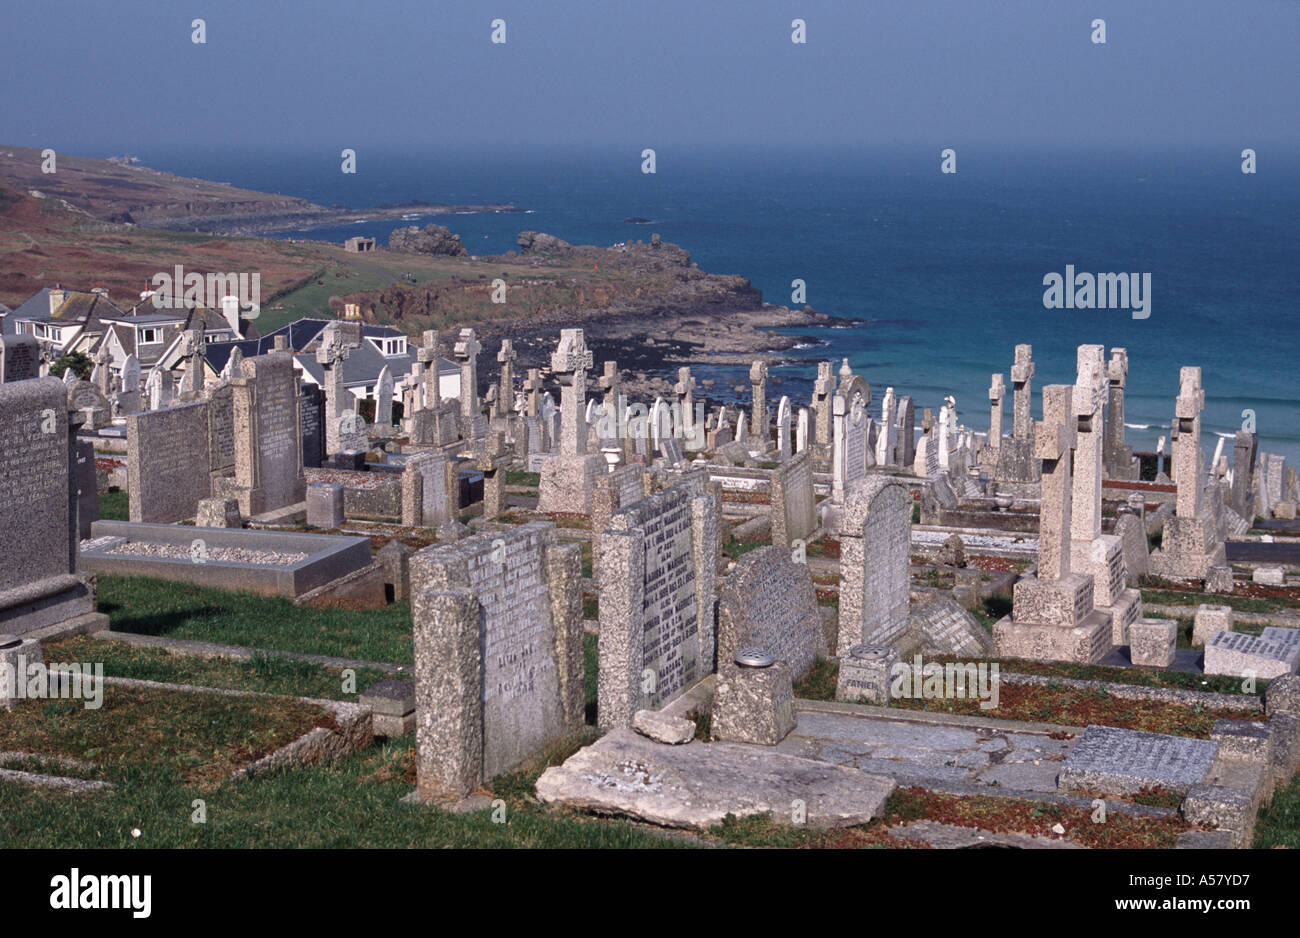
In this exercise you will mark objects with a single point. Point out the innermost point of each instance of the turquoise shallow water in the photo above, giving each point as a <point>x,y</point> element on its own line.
<point>945,272</point>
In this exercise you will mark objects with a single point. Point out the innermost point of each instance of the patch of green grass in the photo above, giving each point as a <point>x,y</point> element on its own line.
<point>819,683</point>
<point>1278,824</point>
<point>268,674</point>
<point>195,738</point>
<point>916,513</point>
<point>590,606</point>
<point>736,549</point>
<point>114,506</point>
<point>352,802</point>
<point>1238,603</point>
<point>149,606</point>
<point>529,479</point>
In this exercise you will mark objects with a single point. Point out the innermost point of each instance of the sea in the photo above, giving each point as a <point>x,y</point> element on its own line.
<point>934,278</point>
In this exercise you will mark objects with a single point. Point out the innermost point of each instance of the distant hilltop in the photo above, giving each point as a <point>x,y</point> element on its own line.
<point>120,190</point>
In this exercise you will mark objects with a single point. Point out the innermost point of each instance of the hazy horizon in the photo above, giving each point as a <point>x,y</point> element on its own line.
<point>679,77</point>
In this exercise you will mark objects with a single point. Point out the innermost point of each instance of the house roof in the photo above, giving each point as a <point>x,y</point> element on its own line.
<point>361,367</point>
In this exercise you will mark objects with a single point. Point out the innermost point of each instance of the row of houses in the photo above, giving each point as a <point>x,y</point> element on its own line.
<point>67,321</point>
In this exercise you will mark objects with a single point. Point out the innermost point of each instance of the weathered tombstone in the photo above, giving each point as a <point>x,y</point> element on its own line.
<point>849,460</point>
<point>1017,462</point>
<point>760,418</point>
<point>268,436</point>
<point>498,654</point>
<point>1052,613</point>
<point>426,491</point>
<point>493,461</point>
<point>344,430</point>
<point>384,398</point>
<point>20,358</point>
<point>906,431</point>
<point>1191,543</point>
<point>221,431</point>
<point>768,601</point>
<point>801,431</point>
<point>325,506</point>
<point>1111,761</point>
<point>875,564</point>
<point>1245,446</point>
<point>38,531</point>
<point>192,380</point>
<point>783,424</point>
<point>167,463</point>
<point>823,390</point>
<point>1118,456</point>
<point>887,441</point>
<point>1101,556</point>
<point>657,590</point>
<point>127,400</point>
<point>997,391</point>
<point>465,351</point>
<point>569,473</point>
<point>613,492</point>
<point>1274,653</point>
<point>794,506</point>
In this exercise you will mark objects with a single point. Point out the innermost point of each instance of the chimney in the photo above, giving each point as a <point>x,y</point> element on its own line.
<point>230,309</point>
<point>57,296</point>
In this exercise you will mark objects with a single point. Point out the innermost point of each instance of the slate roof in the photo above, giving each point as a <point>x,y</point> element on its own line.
<point>360,368</point>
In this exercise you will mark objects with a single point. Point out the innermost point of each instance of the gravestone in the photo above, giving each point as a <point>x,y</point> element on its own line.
<point>760,418</point>
<point>1052,617</point>
<point>657,590</point>
<point>87,490</point>
<point>426,491</point>
<point>1118,458</point>
<point>1191,543</point>
<point>268,436</point>
<point>613,492</point>
<point>38,533</point>
<point>906,432</point>
<point>1274,653</point>
<point>344,430</point>
<point>887,442</point>
<point>875,562</point>
<point>784,420</point>
<point>768,601</point>
<point>498,654</point>
<point>794,506</point>
<point>325,506</point>
<point>384,398</point>
<point>168,467</point>
<point>221,431</point>
<point>569,473</point>
<point>313,426</point>
<point>849,459</point>
<point>1016,461</point>
<point>1113,761</point>
<point>20,358</point>
<point>1101,556</point>
<point>823,391</point>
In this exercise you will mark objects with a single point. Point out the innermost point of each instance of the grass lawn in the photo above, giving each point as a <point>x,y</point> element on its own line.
<point>1238,603</point>
<point>114,506</point>
<point>264,673</point>
<point>148,606</point>
<point>172,737</point>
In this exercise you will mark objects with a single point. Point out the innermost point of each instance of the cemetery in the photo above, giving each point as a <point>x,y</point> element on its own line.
<point>547,615</point>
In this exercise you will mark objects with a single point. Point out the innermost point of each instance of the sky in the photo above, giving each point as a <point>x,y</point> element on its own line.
<point>101,78</point>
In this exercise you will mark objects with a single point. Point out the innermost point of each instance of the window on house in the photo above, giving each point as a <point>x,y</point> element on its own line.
<point>148,336</point>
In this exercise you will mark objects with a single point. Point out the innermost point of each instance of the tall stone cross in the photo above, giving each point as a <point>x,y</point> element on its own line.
<point>569,364</point>
<point>533,385</point>
<point>428,355</point>
<point>1088,399</point>
<point>1054,439</point>
<point>192,349</point>
<point>1117,378</point>
<point>823,389</point>
<point>102,377</point>
<point>1022,389</point>
<point>1188,458</point>
<point>333,350</point>
<point>609,383</point>
<point>887,442</point>
<point>997,391</point>
<point>466,352</point>
<point>758,419</point>
<point>506,357</point>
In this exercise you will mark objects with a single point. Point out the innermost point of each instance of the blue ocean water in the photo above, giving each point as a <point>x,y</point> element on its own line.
<point>945,272</point>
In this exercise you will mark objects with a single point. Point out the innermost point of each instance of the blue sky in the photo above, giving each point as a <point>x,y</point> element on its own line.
<point>107,77</point>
